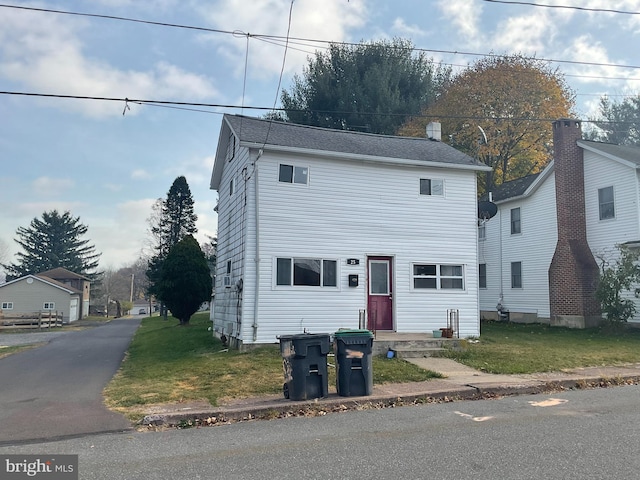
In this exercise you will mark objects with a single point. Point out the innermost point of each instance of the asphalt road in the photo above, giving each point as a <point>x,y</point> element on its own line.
<point>582,435</point>
<point>55,390</point>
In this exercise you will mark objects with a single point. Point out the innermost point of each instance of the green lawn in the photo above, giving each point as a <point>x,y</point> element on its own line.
<point>169,363</point>
<point>517,348</point>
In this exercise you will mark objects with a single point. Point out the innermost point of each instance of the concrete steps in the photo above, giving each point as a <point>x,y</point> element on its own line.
<point>414,347</point>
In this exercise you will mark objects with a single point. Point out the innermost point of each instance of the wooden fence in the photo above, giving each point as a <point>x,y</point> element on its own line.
<point>39,320</point>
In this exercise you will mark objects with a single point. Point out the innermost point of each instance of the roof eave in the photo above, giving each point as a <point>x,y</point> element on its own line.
<point>364,158</point>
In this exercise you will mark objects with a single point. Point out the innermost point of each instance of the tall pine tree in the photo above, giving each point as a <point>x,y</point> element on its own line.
<point>175,221</point>
<point>51,242</point>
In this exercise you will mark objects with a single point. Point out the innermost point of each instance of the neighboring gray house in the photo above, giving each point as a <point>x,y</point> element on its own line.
<point>32,294</point>
<point>317,227</point>
<point>539,256</point>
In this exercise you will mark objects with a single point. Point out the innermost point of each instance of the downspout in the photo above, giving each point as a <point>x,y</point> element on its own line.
<point>500,305</point>
<point>257,259</point>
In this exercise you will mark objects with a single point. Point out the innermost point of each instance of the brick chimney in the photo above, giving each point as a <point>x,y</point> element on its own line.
<point>573,274</point>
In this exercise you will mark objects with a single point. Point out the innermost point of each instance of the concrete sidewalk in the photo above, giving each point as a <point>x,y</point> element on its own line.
<point>460,383</point>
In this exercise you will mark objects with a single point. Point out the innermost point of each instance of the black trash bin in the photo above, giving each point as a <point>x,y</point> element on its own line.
<point>354,372</point>
<point>304,359</point>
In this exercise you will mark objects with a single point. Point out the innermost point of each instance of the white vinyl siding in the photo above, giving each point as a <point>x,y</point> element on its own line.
<point>533,247</point>
<point>350,210</point>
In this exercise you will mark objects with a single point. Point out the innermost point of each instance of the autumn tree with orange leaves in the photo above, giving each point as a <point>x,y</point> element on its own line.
<point>500,110</point>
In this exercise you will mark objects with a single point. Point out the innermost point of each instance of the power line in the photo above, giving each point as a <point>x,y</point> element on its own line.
<point>317,41</point>
<point>182,105</point>
<point>568,7</point>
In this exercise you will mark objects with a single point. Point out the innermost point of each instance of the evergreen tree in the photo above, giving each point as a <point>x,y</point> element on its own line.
<point>184,282</point>
<point>175,220</point>
<point>618,122</point>
<point>370,87</point>
<point>51,242</point>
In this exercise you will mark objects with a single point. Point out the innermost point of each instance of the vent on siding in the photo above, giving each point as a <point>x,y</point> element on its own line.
<point>226,281</point>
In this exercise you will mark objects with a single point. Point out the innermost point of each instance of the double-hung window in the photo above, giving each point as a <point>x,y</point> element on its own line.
<point>606,203</point>
<point>516,274</point>
<point>431,186</point>
<point>516,226</point>
<point>438,277</point>
<point>482,275</point>
<point>306,272</point>
<point>293,174</point>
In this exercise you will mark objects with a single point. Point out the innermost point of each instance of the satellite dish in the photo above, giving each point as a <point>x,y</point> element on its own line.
<point>487,210</point>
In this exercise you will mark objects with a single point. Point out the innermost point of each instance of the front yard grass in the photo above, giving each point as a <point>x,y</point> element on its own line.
<point>167,363</point>
<point>510,348</point>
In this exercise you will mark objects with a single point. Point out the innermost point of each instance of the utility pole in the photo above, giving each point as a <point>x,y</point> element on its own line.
<point>131,294</point>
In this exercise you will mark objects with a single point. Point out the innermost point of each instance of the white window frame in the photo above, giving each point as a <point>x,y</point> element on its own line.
<point>295,168</point>
<point>482,277</point>
<point>513,277</point>
<point>292,260</point>
<point>436,190</point>
<point>438,277</point>
<point>602,204</point>
<point>232,186</point>
<point>231,147</point>
<point>482,231</point>
<point>49,306</point>
<point>7,306</point>
<point>515,223</point>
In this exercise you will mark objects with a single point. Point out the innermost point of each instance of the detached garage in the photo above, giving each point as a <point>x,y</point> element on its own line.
<point>33,294</point>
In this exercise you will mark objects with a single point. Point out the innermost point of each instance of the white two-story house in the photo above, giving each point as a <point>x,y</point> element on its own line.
<point>580,207</point>
<point>320,228</point>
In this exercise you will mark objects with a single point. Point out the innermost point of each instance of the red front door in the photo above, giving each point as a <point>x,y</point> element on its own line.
<point>380,299</point>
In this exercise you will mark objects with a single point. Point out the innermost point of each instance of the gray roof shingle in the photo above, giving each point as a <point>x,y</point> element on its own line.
<point>281,134</point>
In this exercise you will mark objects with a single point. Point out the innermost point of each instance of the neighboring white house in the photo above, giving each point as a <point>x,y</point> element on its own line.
<point>516,247</point>
<point>318,227</point>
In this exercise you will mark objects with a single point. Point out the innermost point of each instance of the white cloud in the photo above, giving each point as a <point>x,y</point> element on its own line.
<point>140,174</point>
<point>465,15</point>
<point>527,34</point>
<point>47,186</point>
<point>403,29</point>
<point>44,54</point>
<point>330,21</point>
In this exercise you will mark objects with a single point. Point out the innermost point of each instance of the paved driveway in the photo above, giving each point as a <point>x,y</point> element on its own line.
<point>55,390</point>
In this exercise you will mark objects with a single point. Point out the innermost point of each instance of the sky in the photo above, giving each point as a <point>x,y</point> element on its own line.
<point>107,161</point>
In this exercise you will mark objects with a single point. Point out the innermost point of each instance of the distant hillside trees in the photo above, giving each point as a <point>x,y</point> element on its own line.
<point>55,240</point>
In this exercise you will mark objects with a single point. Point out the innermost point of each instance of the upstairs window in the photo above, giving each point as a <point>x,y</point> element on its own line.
<point>231,147</point>
<point>515,221</point>
<point>306,272</point>
<point>232,186</point>
<point>430,186</point>
<point>293,174</point>
<point>606,203</point>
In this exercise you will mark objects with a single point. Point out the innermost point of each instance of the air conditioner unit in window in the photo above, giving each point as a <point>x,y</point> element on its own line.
<point>226,281</point>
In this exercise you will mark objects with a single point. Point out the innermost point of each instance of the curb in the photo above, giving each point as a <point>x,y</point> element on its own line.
<point>280,408</point>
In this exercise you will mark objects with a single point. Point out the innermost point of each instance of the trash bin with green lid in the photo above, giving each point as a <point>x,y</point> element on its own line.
<point>354,372</point>
<point>304,359</point>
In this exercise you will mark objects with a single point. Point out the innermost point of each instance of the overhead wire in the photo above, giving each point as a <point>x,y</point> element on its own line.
<point>567,7</point>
